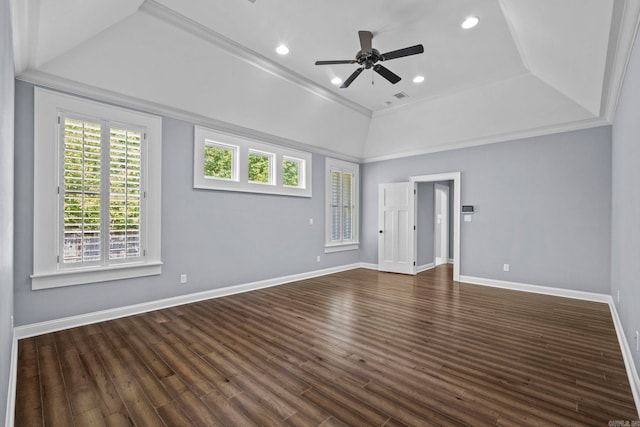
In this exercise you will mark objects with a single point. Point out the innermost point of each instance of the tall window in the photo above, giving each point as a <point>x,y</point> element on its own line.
<point>107,185</point>
<point>101,192</point>
<point>342,206</point>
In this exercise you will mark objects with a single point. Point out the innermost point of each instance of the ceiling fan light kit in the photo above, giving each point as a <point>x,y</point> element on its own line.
<point>368,57</point>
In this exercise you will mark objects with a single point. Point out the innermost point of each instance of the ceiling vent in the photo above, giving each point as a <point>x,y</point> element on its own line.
<point>401,95</point>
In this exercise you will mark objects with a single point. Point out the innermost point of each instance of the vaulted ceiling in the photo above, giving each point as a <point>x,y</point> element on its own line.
<point>529,67</point>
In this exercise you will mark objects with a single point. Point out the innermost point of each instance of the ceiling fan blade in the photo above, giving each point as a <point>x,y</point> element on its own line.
<point>407,51</point>
<point>365,41</point>
<point>387,74</point>
<point>339,61</point>
<point>351,78</point>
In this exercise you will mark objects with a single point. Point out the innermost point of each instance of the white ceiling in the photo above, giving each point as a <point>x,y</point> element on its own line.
<point>530,67</point>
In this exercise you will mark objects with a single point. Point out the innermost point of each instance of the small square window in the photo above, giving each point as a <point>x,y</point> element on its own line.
<point>261,167</point>
<point>219,161</point>
<point>293,172</point>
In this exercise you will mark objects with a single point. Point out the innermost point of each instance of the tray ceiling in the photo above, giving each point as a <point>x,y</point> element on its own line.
<point>529,67</point>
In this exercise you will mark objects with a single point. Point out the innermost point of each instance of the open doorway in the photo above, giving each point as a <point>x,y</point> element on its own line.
<point>452,254</point>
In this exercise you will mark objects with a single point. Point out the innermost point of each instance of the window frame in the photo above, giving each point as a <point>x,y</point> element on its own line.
<point>48,269</point>
<point>341,166</point>
<point>243,146</point>
<point>234,160</point>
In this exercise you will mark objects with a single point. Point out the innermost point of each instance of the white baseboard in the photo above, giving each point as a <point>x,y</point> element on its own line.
<point>100,316</point>
<point>630,367</point>
<point>632,373</point>
<point>425,267</point>
<point>13,378</point>
<point>115,313</point>
<point>537,289</point>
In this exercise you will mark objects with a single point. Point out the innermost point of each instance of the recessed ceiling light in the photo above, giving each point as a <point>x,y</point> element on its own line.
<point>470,22</point>
<point>418,79</point>
<point>282,49</point>
<point>336,80</point>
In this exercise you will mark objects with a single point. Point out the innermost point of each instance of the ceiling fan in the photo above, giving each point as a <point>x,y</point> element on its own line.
<point>368,57</point>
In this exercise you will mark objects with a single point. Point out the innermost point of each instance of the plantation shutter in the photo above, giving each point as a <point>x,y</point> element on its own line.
<point>82,176</point>
<point>347,206</point>
<point>336,202</point>
<point>102,190</point>
<point>125,161</point>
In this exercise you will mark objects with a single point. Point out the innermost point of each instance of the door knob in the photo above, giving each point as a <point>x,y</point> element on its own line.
<point>380,231</point>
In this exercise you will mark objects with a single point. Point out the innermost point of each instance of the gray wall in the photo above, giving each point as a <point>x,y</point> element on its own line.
<point>542,204</point>
<point>218,238</point>
<point>6,202</point>
<point>625,239</point>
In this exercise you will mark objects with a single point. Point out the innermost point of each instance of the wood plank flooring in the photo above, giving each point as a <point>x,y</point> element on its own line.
<point>354,348</point>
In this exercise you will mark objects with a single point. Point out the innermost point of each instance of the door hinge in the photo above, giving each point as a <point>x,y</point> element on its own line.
<point>58,119</point>
<point>415,191</point>
<point>414,263</point>
<point>414,227</point>
<point>58,189</point>
<point>144,252</point>
<point>58,259</point>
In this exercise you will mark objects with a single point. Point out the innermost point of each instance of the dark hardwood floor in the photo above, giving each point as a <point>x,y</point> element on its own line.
<point>354,348</point>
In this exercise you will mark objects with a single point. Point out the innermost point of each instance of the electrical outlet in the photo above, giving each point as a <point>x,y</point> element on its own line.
<point>318,258</point>
<point>505,267</point>
<point>637,341</point>
<point>12,321</point>
<point>618,296</point>
<point>310,221</point>
<point>183,278</point>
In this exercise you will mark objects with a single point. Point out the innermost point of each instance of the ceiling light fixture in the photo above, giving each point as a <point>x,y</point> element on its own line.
<point>470,22</point>
<point>418,79</point>
<point>336,80</point>
<point>282,49</point>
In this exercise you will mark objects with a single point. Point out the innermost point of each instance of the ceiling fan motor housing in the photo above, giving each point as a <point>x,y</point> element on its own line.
<point>368,59</point>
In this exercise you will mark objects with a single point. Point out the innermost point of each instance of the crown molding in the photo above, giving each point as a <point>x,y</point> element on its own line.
<point>171,17</point>
<point>624,36</point>
<point>61,84</point>
<point>492,139</point>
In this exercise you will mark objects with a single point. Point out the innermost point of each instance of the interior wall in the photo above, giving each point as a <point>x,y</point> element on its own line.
<point>625,239</point>
<point>542,205</point>
<point>6,202</point>
<point>218,238</point>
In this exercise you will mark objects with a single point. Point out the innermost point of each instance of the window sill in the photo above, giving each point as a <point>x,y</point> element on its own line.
<point>340,247</point>
<point>62,278</point>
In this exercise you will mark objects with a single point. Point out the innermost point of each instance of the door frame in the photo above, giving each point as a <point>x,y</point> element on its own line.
<point>444,231</point>
<point>455,177</point>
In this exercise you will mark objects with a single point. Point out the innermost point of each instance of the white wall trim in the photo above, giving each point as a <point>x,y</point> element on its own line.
<point>425,267</point>
<point>46,327</point>
<point>100,316</point>
<point>632,373</point>
<point>457,191</point>
<point>493,139</point>
<point>630,367</point>
<point>171,17</point>
<point>13,378</point>
<point>537,289</point>
<point>61,84</point>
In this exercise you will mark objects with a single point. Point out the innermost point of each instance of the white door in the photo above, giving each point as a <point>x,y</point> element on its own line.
<point>441,228</point>
<point>397,227</point>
